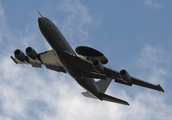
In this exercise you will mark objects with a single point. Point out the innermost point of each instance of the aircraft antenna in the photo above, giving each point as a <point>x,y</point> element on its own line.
<point>40,14</point>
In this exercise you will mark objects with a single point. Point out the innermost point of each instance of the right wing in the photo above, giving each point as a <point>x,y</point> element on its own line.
<point>48,58</point>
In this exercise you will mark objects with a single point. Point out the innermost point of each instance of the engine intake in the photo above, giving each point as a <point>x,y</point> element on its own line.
<point>98,66</point>
<point>31,53</point>
<point>19,55</point>
<point>125,76</point>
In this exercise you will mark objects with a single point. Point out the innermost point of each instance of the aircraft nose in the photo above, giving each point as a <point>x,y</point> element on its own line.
<point>40,21</point>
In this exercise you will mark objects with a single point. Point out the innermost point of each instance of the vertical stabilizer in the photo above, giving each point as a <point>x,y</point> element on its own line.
<point>103,84</point>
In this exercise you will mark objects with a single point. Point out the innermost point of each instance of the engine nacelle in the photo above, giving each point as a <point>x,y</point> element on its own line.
<point>19,55</point>
<point>31,53</point>
<point>98,66</point>
<point>125,76</point>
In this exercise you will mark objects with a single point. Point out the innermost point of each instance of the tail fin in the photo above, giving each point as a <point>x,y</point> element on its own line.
<point>103,84</point>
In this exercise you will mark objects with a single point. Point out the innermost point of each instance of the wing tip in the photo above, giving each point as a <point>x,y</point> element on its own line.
<point>160,88</point>
<point>13,59</point>
<point>127,104</point>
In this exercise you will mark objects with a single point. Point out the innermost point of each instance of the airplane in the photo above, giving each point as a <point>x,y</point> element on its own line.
<point>85,64</point>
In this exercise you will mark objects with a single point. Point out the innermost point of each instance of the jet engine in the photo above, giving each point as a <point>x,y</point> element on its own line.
<point>31,53</point>
<point>19,55</point>
<point>98,66</point>
<point>125,76</point>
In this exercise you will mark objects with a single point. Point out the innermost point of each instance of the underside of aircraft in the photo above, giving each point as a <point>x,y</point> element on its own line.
<point>84,64</point>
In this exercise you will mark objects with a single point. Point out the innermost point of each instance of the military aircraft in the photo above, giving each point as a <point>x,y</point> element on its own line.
<point>85,64</point>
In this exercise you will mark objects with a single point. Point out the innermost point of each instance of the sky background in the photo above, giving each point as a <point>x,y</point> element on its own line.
<point>134,35</point>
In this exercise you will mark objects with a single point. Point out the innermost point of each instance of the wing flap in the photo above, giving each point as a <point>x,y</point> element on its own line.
<point>38,65</point>
<point>56,68</point>
<point>49,57</point>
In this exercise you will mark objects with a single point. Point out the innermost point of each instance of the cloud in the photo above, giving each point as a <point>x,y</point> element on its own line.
<point>78,16</point>
<point>154,61</point>
<point>153,4</point>
<point>1,11</point>
<point>153,64</point>
<point>77,21</point>
<point>3,26</point>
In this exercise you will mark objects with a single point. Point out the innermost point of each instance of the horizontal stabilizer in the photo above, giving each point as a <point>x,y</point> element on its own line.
<point>113,99</point>
<point>89,95</point>
<point>105,97</point>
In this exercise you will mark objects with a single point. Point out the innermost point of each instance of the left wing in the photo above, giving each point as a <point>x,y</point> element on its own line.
<point>146,84</point>
<point>139,82</point>
<point>48,58</point>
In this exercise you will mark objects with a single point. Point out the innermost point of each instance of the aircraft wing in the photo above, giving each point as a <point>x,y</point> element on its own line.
<point>146,84</point>
<point>87,69</point>
<point>141,83</point>
<point>48,58</point>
